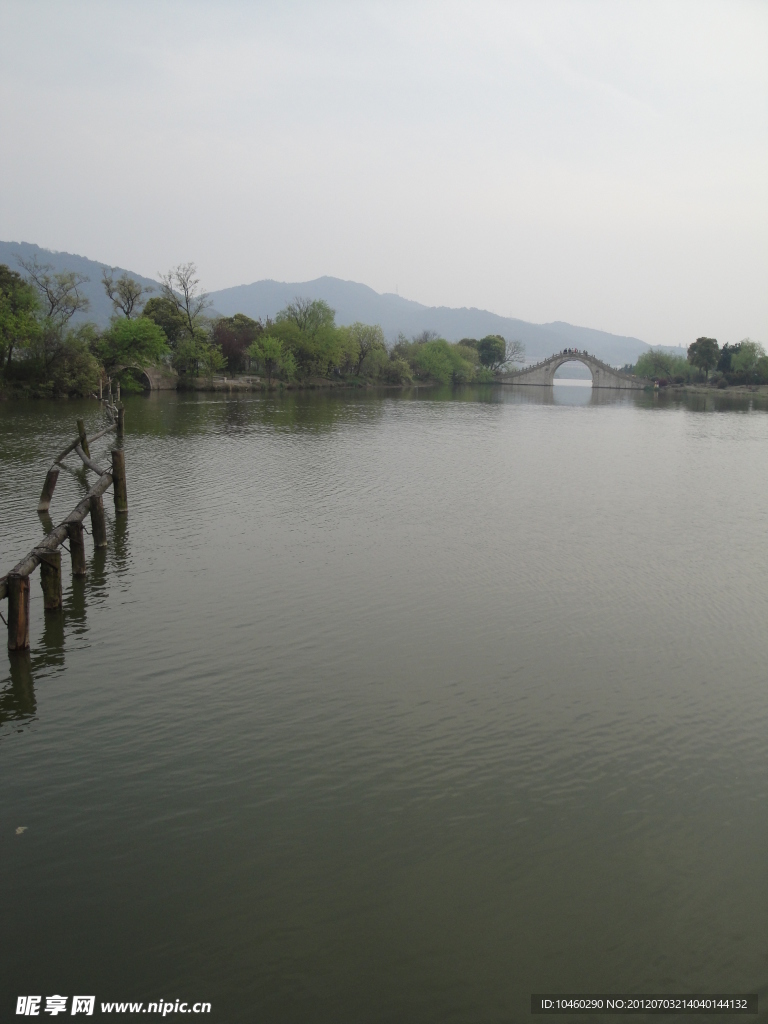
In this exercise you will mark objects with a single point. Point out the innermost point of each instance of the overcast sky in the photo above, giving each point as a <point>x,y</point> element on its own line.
<point>603,162</point>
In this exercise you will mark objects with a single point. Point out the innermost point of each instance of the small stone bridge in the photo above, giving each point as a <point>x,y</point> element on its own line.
<point>603,375</point>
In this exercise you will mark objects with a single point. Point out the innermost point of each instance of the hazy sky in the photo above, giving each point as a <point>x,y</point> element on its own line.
<point>603,162</point>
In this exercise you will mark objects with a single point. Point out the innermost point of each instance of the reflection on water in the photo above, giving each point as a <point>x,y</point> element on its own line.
<point>393,705</point>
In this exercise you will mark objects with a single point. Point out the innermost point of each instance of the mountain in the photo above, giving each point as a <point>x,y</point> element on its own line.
<point>353,301</point>
<point>101,307</point>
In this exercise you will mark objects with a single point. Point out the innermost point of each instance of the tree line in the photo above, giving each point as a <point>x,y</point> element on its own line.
<point>44,351</point>
<point>742,363</point>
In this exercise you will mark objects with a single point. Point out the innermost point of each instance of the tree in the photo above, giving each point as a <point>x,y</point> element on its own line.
<point>212,359</point>
<point>234,334</point>
<point>309,315</point>
<point>365,340</point>
<point>515,352</point>
<point>268,350</point>
<point>125,293</point>
<point>181,288</point>
<point>704,353</point>
<point>167,316</point>
<point>138,342</point>
<point>61,297</point>
<point>19,305</point>
<point>60,294</point>
<point>747,357</point>
<point>492,351</point>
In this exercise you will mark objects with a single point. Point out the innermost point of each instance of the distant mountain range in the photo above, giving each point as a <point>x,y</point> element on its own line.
<point>353,301</point>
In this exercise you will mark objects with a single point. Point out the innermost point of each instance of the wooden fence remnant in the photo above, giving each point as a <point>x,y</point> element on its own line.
<point>15,585</point>
<point>18,612</point>
<point>83,437</point>
<point>50,579</point>
<point>77,548</point>
<point>98,522</point>
<point>48,488</point>
<point>118,476</point>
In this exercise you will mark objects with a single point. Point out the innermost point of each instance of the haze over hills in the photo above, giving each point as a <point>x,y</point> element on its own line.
<point>353,301</point>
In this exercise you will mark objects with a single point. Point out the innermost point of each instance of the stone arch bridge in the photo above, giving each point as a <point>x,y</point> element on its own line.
<point>155,378</point>
<point>603,375</point>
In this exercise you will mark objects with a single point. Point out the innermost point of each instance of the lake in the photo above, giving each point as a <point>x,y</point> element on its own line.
<point>393,706</point>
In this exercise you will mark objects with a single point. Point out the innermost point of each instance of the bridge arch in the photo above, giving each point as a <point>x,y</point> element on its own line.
<point>603,375</point>
<point>571,357</point>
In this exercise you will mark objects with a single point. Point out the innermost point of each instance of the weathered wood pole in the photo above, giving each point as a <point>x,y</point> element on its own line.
<point>83,437</point>
<point>101,389</point>
<point>118,391</point>
<point>118,480</point>
<point>120,420</point>
<point>50,579</point>
<point>18,612</point>
<point>98,522</point>
<point>48,488</point>
<point>77,548</point>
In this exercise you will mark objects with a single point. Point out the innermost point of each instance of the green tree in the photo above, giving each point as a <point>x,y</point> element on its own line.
<point>211,359</point>
<point>661,365</point>
<point>492,351</point>
<point>704,353</point>
<point>167,316</point>
<point>125,293</point>
<point>746,358</point>
<point>365,340</point>
<point>309,315</point>
<point>61,297</point>
<point>138,342</point>
<point>268,350</point>
<point>19,307</point>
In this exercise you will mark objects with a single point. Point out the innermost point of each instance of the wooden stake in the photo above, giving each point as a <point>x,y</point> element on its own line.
<point>98,522</point>
<point>121,420</point>
<point>83,438</point>
<point>48,488</point>
<point>77,548</point>
<point>101,389</point>
<point>50,579</point>
<point>118,391</point>
<point>118,480</point>
<point>18,612</point>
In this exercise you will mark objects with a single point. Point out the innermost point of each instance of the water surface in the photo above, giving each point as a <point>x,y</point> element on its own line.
<point>393,707</point>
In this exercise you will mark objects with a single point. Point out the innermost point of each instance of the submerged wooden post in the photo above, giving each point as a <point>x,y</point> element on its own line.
<point>83,437</point>
<point>18,612</point>
<point>77,548</point>
<point>118,480</point>
<point>98,522</point>
<point>48,488</point>
<point>120,420</point>
<point>50,579</point>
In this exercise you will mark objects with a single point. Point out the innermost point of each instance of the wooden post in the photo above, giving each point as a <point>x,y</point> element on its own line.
<point>118,391</point>
<point>48,488</point>
<point>77,548</point>
<point>50,579</point>
<point>98,522</point>
<point>118,480</point>
<point>18,612</point>
<point>120,420</point>
<point>101,389</point>
<point>83,438</point>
